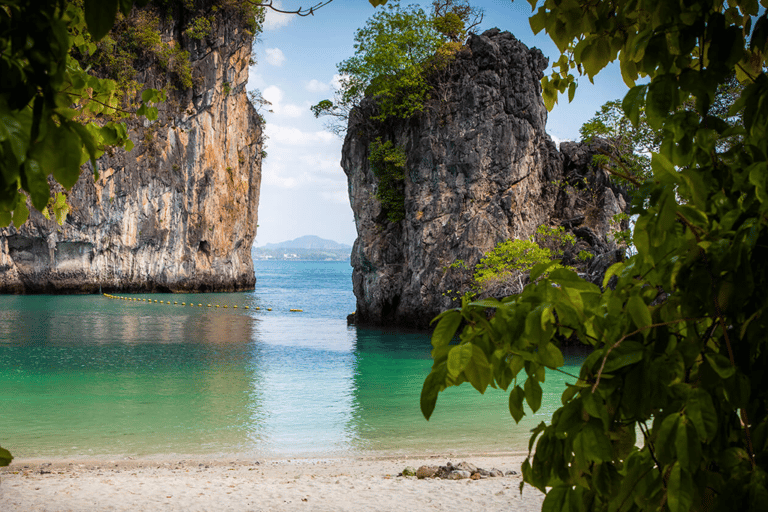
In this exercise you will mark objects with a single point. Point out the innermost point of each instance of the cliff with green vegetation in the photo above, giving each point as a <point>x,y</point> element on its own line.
<point>433,193</point>
<point>178,212</point>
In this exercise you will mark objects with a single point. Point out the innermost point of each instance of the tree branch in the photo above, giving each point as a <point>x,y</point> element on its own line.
<point>298,12</point>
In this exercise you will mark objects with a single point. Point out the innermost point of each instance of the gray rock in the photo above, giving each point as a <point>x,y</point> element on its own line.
<point>480,170</point>
<point>458,474</point>
<point>511,473</point>
<point>466,466</point>
<point>409,471</point>
<point>176,213</point>
<point>495,473</point>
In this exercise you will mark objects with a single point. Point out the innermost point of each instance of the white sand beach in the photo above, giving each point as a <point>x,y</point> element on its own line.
<point>343,484</point>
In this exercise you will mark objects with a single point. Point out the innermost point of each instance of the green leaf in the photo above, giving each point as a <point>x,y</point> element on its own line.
<point>595,407</point>
<point>721,364</point>
<point>100,16</point>
<point>533,393</point>
<point>433,384</point>
<point>21,212</point>
<point>550,356</point>
<point>629,352</point>
<point>5,218</point>
<point>458,358</point>
<point>5,457</point>
<point>538,21</point>
<point>592,444</point>
<point>639,313</point>
<point>701,410</point>
<point>516,403</point>
<point>665,445</point>
<point>687,445</point>
<point>487,303</point>
<point>633,103</point>
<point>556,499</point>
<point>680,489</point>
<point>446,327</point>
<point>478,371</point>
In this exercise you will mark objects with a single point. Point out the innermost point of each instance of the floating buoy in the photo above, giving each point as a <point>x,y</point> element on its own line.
<point>209,305</point>
<point>269,309</point>
<point>183,303</point>
<point>297,310</point>
<point>235,306</point>
<point>175,302</point>
<point>246,307</point>
<point>257,308</point>
<point>217,305</point>
<point>225,306</point>
<point>200,305</point>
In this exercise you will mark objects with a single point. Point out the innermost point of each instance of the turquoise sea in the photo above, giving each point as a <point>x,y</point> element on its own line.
<point>88,376</point>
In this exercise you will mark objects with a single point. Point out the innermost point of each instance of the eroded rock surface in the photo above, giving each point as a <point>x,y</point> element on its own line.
<point>480,169</point>
<point>179,211</point>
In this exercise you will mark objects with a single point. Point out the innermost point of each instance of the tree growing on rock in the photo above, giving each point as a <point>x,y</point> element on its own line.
<point>394,54</point>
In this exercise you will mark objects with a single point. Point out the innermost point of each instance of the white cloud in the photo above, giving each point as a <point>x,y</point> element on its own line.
<point>317,86</point>
<point>275,20</point>
<point>336,196</point>
<point>291,110</point>
<point>275,56</point>
<point>295,137</point>
<point>273,94</point>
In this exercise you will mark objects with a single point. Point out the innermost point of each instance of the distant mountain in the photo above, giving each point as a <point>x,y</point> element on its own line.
<point>309,242</point>
<point>304,248</point>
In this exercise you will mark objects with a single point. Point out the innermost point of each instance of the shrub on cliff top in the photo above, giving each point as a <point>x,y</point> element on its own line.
<point>394,52</point>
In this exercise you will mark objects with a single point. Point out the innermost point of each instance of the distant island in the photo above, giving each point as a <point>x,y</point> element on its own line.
<point>307,247</point>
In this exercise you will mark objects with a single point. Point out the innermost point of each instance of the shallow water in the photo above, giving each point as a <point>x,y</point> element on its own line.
<point>84,376</point>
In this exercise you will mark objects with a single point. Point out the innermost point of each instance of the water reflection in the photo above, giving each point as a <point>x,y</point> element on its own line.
<point>88,376</point>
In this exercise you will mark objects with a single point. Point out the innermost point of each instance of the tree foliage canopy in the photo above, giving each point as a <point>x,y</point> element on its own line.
<point>394,53</point>
<point>677,331</point>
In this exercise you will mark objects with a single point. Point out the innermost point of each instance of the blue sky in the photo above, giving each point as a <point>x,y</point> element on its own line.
<point>303,189</point>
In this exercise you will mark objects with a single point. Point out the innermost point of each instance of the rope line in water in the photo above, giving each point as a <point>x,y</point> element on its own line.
<point>191,304</point>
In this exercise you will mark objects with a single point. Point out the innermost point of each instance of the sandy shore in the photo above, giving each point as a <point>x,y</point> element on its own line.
<point>353,484</point>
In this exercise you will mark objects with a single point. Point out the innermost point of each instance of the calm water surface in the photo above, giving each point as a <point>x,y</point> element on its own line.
<point>85,376</point>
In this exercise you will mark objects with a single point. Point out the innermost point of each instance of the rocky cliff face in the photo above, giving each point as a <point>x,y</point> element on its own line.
<point>480,170</point>
<point>179,211</point>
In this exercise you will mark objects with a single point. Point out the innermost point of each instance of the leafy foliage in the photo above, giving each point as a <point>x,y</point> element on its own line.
<point>630,145</point>
<point>388,165</point>
<point>394,53</point>
<point>49,102</point>
<point>678,339</point>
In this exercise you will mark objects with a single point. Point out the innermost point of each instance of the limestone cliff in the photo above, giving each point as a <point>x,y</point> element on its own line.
<point>480,169</point>
<point>179,211</point>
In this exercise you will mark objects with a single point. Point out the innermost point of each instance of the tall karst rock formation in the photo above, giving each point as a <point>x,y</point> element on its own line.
<point>179,211</point>
<point>480,169</point>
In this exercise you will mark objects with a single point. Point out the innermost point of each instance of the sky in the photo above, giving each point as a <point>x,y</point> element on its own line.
<point>303,188</point>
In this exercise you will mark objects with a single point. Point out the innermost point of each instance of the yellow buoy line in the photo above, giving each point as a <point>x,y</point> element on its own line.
<point>191,304</point>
